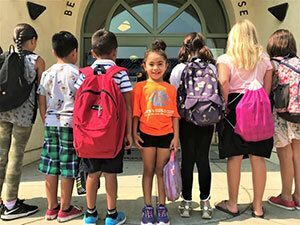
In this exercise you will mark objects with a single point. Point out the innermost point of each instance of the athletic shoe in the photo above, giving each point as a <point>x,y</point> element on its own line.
<point>121,219</point>
<point>19,210</point>
<point>206,209</point>
<point>297,205</point>
<point>279,202</point>
<point>72,214</point>
<point>51,214</point>
<point>162,215</point>
<point>148,216</point>
<point>90,218</point>
<point>185,208</point>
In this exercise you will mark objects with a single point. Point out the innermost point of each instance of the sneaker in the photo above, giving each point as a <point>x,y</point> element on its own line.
<point>297,204</point>
<point>90,218</point>
<point>72,214</point>
<point>121,218</point>
<point>206,210</point>
<point>162,215</point>
<point>185,208</point>
<point>19,210</point>
<point>1,207</point>
<point>51,214</point>
<point>148,216</point>
<point>279,202</point>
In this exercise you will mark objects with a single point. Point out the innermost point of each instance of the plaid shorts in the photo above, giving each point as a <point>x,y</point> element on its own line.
<point>58,155</point>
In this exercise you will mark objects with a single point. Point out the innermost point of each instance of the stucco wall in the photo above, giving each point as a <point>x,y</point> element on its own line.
<point>68,14</point>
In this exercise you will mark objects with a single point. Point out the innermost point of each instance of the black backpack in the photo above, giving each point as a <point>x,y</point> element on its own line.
<point>14,88</point>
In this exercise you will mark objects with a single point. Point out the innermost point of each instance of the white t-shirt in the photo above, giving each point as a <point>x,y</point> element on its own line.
<point>57,84</point>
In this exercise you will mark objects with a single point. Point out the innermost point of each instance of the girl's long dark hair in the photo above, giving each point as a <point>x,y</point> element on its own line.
<point>194,44</point>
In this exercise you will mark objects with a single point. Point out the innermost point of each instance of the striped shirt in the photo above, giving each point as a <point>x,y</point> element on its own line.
<point>121,78</point>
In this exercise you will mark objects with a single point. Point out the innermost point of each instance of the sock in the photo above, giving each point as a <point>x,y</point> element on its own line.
<point>91,211</point>
<point>161,205</point>
<point>112,213</point>
<point>10,204</point>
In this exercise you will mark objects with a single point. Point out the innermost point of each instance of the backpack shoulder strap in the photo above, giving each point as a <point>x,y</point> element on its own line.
<point>114,70</point>
<point>87,71</point>
<point>286,64</point>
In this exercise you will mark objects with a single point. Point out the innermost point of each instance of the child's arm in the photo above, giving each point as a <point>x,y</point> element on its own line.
<point>175,141</point>
<point>128,137</point>
<point>42,106</point>
<point>268,81</point>
<point>224,74</point>
<point>39,67</point>
<point>136,137</point>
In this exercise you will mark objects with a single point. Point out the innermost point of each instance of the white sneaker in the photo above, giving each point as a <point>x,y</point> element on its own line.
<point>185,208</point>
<point>206,209</point>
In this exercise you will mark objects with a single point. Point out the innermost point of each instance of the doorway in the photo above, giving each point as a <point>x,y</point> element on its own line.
<point>138,23</point>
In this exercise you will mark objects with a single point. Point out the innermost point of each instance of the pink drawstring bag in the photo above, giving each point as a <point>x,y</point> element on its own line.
<point>254,120</point>
<point>172,179</point>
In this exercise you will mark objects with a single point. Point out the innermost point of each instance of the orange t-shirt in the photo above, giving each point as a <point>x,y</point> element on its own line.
<point>155,104</point>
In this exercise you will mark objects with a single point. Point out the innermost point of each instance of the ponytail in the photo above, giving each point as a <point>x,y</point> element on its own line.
<point>194,46</point>
<point>22,33</point>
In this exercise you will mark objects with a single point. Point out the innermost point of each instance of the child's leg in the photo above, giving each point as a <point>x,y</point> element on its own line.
<point>5,140</point>
<point>233,180</point>
<point>20,137</point>
<point>66,192</point>
<point>285,156</point>
<point>296,159</point>
<point>202,160</point>
<point>259,175</point>
<point>163,155</point>
<point>149,157</point>
<point>188,157</point>
<point>51,191</point>
<point>92,189</point>
<point>111,186</point>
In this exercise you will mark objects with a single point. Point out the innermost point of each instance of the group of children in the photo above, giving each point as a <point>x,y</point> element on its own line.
<point>152,123</point>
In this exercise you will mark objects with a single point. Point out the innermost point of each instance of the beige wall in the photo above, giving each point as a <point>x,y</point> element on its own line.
<point>55,19</point>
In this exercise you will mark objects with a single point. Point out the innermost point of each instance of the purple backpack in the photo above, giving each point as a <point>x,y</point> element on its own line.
<point>198,97</point>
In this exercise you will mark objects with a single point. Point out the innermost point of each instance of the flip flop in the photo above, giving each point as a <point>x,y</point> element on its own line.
<point>262,216</point>
<point>222,206</point>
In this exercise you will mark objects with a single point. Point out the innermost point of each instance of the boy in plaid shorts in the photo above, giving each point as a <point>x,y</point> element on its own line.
<point>56,103</point>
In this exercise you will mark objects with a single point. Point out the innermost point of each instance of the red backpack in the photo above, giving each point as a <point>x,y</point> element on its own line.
<point>99,118</point>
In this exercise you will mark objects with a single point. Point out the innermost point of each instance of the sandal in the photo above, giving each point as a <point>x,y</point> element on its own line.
<point>222,206</point>
<point>262,216</point>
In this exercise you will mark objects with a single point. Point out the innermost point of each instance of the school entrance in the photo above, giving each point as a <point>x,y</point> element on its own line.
<point>138,23</point>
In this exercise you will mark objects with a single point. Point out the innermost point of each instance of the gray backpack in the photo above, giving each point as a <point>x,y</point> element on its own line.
<point>198,96</point>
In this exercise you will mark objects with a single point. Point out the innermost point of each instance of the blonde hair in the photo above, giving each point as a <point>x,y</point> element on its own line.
<point>242,45</point>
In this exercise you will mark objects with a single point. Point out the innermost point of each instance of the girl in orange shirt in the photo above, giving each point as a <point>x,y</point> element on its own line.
<point>155,110</point>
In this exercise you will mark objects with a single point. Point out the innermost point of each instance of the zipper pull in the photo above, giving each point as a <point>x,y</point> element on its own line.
<point>99,110</point>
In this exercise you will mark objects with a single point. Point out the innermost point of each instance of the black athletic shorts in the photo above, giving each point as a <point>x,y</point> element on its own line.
<point>162,141</point>
<point>93,165</point>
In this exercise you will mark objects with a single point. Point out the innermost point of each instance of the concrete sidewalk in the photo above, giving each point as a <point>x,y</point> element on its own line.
<point>130,198</point>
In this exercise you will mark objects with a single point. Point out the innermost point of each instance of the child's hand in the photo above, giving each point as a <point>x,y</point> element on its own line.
<point>128,141</point>
<point>174,145</point>
<point>138,139</point>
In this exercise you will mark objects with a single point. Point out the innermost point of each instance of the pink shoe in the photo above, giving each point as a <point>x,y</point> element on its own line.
<point>279,202</point>
<point>66,216</point>
<point>51,214</point>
